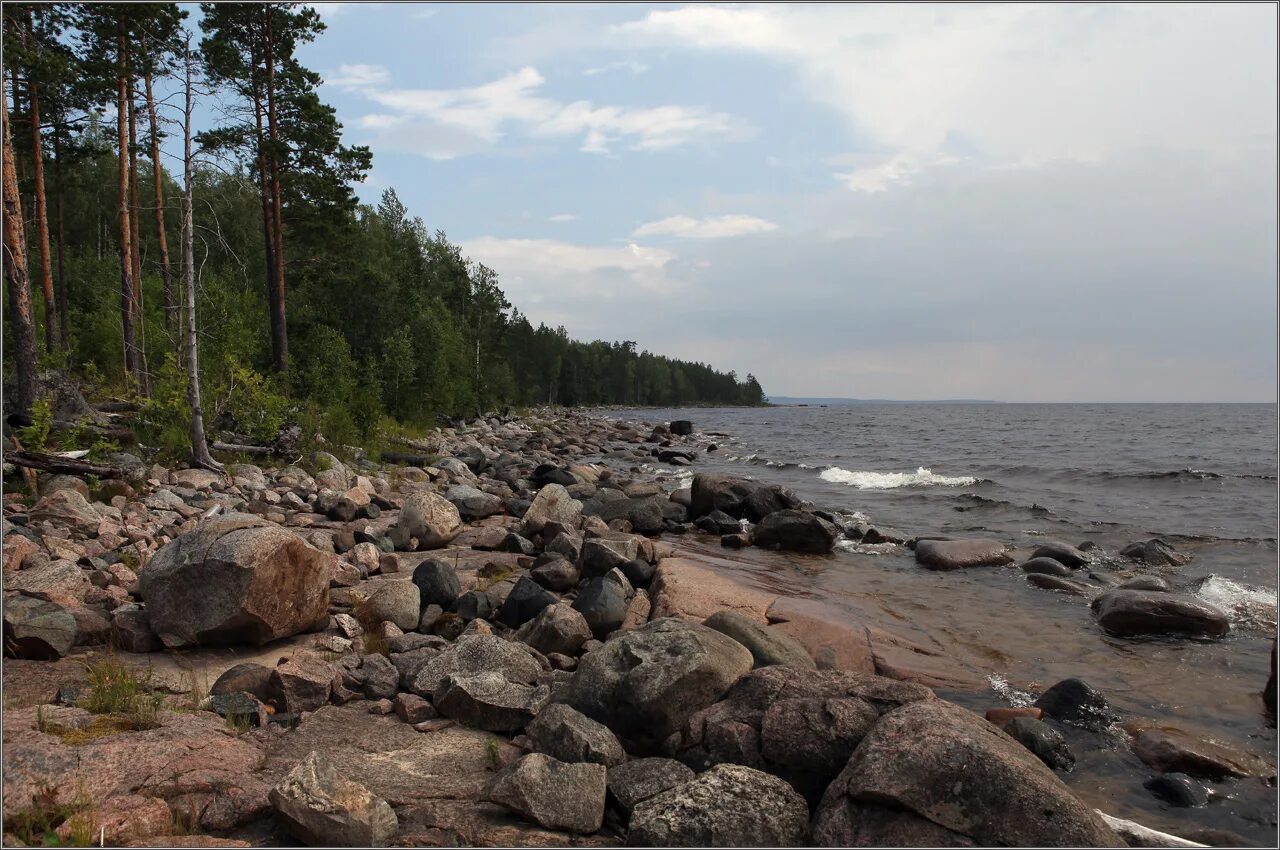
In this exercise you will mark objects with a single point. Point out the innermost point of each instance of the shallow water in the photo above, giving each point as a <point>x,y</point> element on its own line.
<point>1201,476</point>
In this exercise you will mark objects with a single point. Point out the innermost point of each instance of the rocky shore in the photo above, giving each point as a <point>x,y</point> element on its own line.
<point>525,639</point>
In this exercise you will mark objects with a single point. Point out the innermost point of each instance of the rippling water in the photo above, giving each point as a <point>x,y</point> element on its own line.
<point>1202,477</point>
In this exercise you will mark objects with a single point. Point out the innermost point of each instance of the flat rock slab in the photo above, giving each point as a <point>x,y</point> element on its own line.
<point>685,588</point>
<point>959,554</point>
<point>833,643</point>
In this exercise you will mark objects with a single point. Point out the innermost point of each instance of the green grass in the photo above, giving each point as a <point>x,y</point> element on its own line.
<point>37,825</point>
<point>117,689</point>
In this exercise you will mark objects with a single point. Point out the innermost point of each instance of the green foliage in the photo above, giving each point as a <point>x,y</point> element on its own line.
<point>117,689</point>
<point>253,402</point>
<point>165,417</point>
<point>36,825</point>
<point>35,437</point>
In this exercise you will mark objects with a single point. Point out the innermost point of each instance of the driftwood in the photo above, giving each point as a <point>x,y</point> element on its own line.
<point>256,451</point>
<point>119,433</point>
<point>405,459</point>
<point>1137,835</point>
<point>65,465</point>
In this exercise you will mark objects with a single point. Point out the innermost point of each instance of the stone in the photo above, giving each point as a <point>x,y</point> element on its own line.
<point>1063,553</point>
<point>603,605</point>
<point>940,762</point>
<point>119,820</point>
<point>600,555</point>
<point>736,497</point>
<point>728,806</point>
<point>1155,553</point>
<point>1155,583</point>
<point>552,504</point>
<point>1045,742</point>
<point>645,683</point>
<point>557,575</point>
<point>1144,612</point>
<point>765,645</point>
<point>412,708</point>
<point>1169,749</point>
<point>59,581</point>
<point>1046,566</point>
<point>637,780</point>
<point>67,509</point>
<point>564,543</point>
<point>244,678</point>
<point>1269,692</point>
<point>437,583</point>
<point>428,518</point>
<point>475,654</point>
<point>381,678</point>
<point>473,504</point>
<point>553,794</point>
<point>689,589</point>
<point>681,428</point>
<point>131,629</point>
<point>300,683</point>
<point>321,806</point>
<point>569,736</point>
<point>958,554</point>
<point>525,601</point>
<point>795,531</point>
<point>1052,582</point>
<point>35,628</point>
<point>242,707</point>
<point>473,605</point>
<point>397,601</point>
<point>488,701</point>
<point>1178,789</point>
<point>558,629</point>
<point>638,571</point>
<point>230,580</point>
<point>1078,703</point>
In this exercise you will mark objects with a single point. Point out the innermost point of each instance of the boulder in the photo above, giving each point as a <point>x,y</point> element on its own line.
<point>1145,612</point>
<point>1178,789</point>
<point>552,504</point>
<point>131,629</point>
<point>244,678</point>
<point>1052,582</point>
<point>476,654</point>
<point>488,701</point>
<point>1078,703</point>
<point>680,428</point>
<point>427,517</point>
<point>117,821</point>
<point>1155,553</point>
<point>473,605</point>
<point>233,581</point>
<point>473,504</point>
<point>36,628</point>
<point>381,677</point>
<point>565,544</point>
<point>766,646</point>
<point>1145,583</point>
<point>796,531</point>
<point>300,683</point>
<point>553,794</point>
<point>322,807</point>
<point>934,760</point>
<point>958,554</point>
<point>569,736</point>
<point>558,628</point>
<point>728,806</point>
<point>638,571</point>
<point>58,581</point>
<point>1043,740</point>
<point>525,601</point>
<point>437,583</point>
<point>412,708</point>
<point>599,555</point>
<point>603,604</point>
<point>644,684</point>
<point>1063,553</point>
<point>67,509</point>
<point>1169,749</point>
<point>1046,566</point>
<point>637,780</point>
<point>396,601</point>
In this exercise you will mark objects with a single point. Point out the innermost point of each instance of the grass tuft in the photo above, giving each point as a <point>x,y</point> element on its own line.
<point>116,688</point>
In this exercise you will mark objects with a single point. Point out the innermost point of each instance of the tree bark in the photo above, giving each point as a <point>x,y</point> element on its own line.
<point>64,465</point>
<point>278,317</point>
<point>127,306</point>
<point>135,248</point>
<point>41,211</point>
<point>15,266</point>
<point>63,331</point>
<point>166,274</point>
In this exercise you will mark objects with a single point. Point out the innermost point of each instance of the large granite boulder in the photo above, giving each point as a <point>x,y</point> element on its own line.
<point>437,583</point>
<point>796,531</point>
<point>1146,612</point>
<point>958,554</point>
<point>933,761</point>
<point>477,654</point>
<point>36,628</point>
<point>427,517</point>
<point>322,807</point>
<point>552,504</point>
<point>488,701</point>
<point>643,684</point>
<point>553,794</point>
<point>1156,553</point>
<point>728,806</point>
<point>737,497</point>
<point>566,734</point>
<point>396,601</point>
<point>472,503</point>
<point>557,629</point>
<point>234,580</point>
<point>767,646</point>
<point>637,780</point>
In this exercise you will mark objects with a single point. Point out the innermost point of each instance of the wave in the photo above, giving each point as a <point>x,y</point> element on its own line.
<point>1245,604</point>
<point>866,480</point>
<point>1186,474</point>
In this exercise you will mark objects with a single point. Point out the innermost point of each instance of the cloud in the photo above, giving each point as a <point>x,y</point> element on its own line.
<point>625,65</point>
<point>484,114</point>
<point>878,174</point>
<point>538,270</point>
<point>719,227</point>
<point>559,217</point>
<point>358,76</point>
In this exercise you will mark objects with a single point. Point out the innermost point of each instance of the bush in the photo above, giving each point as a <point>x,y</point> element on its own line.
<point>35,437</point>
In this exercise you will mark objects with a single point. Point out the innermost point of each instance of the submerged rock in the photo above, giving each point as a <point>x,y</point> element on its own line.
<point>1177,789</point>
<point>1043,740</point>
<point>1077,702</point>
<point>1156,553</point>
<point>1063,553</point>
<point>958,554</point>
<point>1143,612</point>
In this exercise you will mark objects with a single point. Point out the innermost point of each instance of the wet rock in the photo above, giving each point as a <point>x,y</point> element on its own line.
<point>1063,553</point>
<point>553,794</point>
<point>741,540</point>
<point>883,534</point>
<point>680,428</point>
<point>728,806</point>
<point>552,504</point>
<point>1152,583</point>
<point>558,629</point>
<point>765,645</point>
<point>1043,740</point>
<point>232,581</point>
<point>736,497</point>
<point>603,604</point>
<point>1078,703</point>
<point>795,531</point>
<point>1141,612</point>
<point>428,518</point>
<point>600,555</point>
<point>1177,789</point>
<point>322,807</point>
<point>525,601</point>
<point>1052,582</point>
<point>937,761</point>
<point>645,683</point>
<point>35,628</point>
<point>1046,566</point>
<point>300,683</point>
<point>719,522</point>
<point>958,554</point>
<point>637,780</point>
<point>244,678</point>
<point>396,601</point>
<point>488,701</point>
<point>1156,553</point>
<point>569,736</point>
<point>1169,749</point>
<point>475,654</point>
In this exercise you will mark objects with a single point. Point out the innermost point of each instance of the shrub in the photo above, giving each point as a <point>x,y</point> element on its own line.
<point>35,437</point>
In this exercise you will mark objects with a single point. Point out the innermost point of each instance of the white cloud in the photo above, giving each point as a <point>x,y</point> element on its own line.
<point>559,217</point>
<point>358,76</point>
<point>625,65</point>
<point>718,227</point>
<point>876,174</point>
<point>485,113</point>
<point>538,270</point>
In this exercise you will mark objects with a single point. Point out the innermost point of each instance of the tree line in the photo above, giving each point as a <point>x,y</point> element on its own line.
<point>310,304</point>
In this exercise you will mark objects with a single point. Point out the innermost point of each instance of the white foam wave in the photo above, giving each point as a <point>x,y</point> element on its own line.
<point>1016,698</point>
<point>1245,604</point>
<point>865,480</point>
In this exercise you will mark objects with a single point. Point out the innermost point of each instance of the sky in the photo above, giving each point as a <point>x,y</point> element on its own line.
<point>1016,202</point>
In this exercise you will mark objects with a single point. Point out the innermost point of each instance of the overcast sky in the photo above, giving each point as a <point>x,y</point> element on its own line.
<point>1026,203</point>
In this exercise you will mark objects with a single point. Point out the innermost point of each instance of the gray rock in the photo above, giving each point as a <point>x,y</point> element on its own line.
<point>795,531</point>
<point>381,678</point>
<point>57,581</point>
<point>1178,789</point>
<point>488,701</point>
<point>552,504</point>
<point>474,605</point>
<point>244,678</point>
<point>558,575</point>
<point>1063,553</point>
<point>1052,582</point>
<point>35,628</point>
<point>637,780</point>
<point>396,600</point>
<point>602,554</point>
<point>437,583</point>
<point>1043,740</point>
<point>638,571</point>
<point>1156,553</point>
<point>428,518</point>
<point>1046,566</point>
<point>525,601</point>
<point>728,806</point>
<point>603,604</point>
<point>643,684</point>
<point>958,554</point>
<point>473,504</point>
<point>1145,612</point>
<point>557,629</point>
<point>1154,583</point>
<point>566,734</point>
<point>766,647</point>
<point>553,794</point>
<point>1077,702</point>
<point>321,807</point>
<point>476,654</point>
<point>301,683</point>
<point>565,544</point>
<point>131,629</point>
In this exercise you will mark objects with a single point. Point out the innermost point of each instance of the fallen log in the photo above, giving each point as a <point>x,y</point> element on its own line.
<point>256,451</point>
<point>119,433</point>
<point>405,459</point>
<point>60,464</point>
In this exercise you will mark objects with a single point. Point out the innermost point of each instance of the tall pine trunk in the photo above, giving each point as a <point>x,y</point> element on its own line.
<point>15,266</point>
<point>135,248</point>
<point>63,314</point>
<point>170,309</point>
<point>278,316</point>
<point>132,361</point>
<point>41,213</point>
<point>268,229</point>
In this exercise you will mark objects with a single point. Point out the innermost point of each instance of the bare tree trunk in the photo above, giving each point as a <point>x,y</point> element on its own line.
<point>170,310</point>
<point>41,211</point>
<point>127,306</point>
<point>199,445</point>
<point>281,363</point>
<point>268,230</point>
<point>135,249</point>
<point>15,266</point>
<point>64,332</point>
